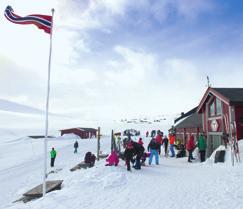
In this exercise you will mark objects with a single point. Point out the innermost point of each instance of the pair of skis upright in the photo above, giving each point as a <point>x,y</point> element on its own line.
<point>235,151</point>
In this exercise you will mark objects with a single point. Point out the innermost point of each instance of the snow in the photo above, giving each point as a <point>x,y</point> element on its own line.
<point>173,184</point>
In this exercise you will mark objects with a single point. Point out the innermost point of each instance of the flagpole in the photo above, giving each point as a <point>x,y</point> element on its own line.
<point>47,110</point>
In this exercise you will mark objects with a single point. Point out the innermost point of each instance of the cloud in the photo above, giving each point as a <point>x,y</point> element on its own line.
<point>134,67</point>
<point>191,9</point>
<point>102,14</point>
<point>146,82</point>
<point>90,14</point>
<point>120,58</point>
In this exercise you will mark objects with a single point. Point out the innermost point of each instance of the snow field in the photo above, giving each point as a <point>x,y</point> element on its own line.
<point>174,184</point>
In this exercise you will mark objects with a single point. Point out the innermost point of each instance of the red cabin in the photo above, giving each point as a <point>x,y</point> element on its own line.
<point>222,115</point>
<point>83,133</point>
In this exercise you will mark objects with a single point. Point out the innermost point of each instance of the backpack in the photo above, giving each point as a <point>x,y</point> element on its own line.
<point>153,144</point>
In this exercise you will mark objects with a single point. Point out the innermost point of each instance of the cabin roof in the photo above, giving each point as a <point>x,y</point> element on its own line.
<point>190,119</point>
<point>228,95</point>
<point>81,129</point>
<point>234,95</point>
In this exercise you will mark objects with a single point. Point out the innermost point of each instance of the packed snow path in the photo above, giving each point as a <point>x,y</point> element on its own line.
<point>172,184</point>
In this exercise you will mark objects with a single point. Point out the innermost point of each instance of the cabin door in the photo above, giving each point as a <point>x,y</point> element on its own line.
<point>213,142</point>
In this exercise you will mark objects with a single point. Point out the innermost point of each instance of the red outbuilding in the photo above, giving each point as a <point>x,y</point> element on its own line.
<point>83,133</point>
<point>222,115</point>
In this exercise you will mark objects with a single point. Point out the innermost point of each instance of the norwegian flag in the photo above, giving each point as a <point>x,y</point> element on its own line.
<point>43,22</point>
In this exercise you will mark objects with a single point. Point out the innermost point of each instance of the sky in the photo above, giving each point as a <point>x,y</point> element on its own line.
<point>120,59</point>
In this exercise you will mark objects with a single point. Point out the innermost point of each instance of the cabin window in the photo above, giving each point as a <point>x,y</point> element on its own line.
<point>212,109</point>
<point>218,106</point>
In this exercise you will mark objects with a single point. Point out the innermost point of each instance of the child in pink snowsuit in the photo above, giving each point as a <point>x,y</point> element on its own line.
<point>112,159</point>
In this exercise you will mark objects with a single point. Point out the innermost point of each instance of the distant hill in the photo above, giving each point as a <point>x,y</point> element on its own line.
<point>9,106</point>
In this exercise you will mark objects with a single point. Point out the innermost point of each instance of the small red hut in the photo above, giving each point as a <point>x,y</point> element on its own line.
<point>222,111</point>
<point>83,133</point>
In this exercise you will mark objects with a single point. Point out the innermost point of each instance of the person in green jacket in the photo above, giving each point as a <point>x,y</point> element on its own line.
<point>202,147</point>
<point>53,156</point>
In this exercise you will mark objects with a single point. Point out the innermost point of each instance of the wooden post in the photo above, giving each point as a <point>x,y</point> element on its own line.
<point>98,144</point>
<point>112,141</point>
<point>206,130</point>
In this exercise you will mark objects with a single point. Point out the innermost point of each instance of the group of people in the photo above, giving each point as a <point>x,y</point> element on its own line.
<point>135,152</point>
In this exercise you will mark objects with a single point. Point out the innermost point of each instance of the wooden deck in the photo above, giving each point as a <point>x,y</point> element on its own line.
<point>36,192</point>
<point>81,165</point>
<point>50,186</point>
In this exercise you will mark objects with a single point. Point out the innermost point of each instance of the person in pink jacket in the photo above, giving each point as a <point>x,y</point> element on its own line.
<point>112,159</point>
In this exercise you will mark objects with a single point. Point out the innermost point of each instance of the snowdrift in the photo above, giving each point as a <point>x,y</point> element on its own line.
<point>228,160</point>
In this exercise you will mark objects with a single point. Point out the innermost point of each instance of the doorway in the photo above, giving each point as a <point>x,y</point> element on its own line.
<point>213,142</point>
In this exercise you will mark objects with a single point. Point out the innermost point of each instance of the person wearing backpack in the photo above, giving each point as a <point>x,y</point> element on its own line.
<point>53,154</point>
<point>75,147</point>
<point>153,148</point>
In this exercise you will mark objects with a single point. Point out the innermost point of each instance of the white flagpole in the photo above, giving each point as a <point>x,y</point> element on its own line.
<point>47,110</point>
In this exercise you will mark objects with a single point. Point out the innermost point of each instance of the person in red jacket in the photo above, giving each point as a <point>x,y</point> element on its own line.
<point>190,147</point>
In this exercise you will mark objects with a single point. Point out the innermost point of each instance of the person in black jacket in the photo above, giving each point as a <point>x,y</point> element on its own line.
<point>138,151</point>
<point>75,147</point>
<point>165,142</point>
<point>128,154</point>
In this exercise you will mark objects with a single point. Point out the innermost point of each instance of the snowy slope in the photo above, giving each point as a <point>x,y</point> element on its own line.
<point>10,106</point>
